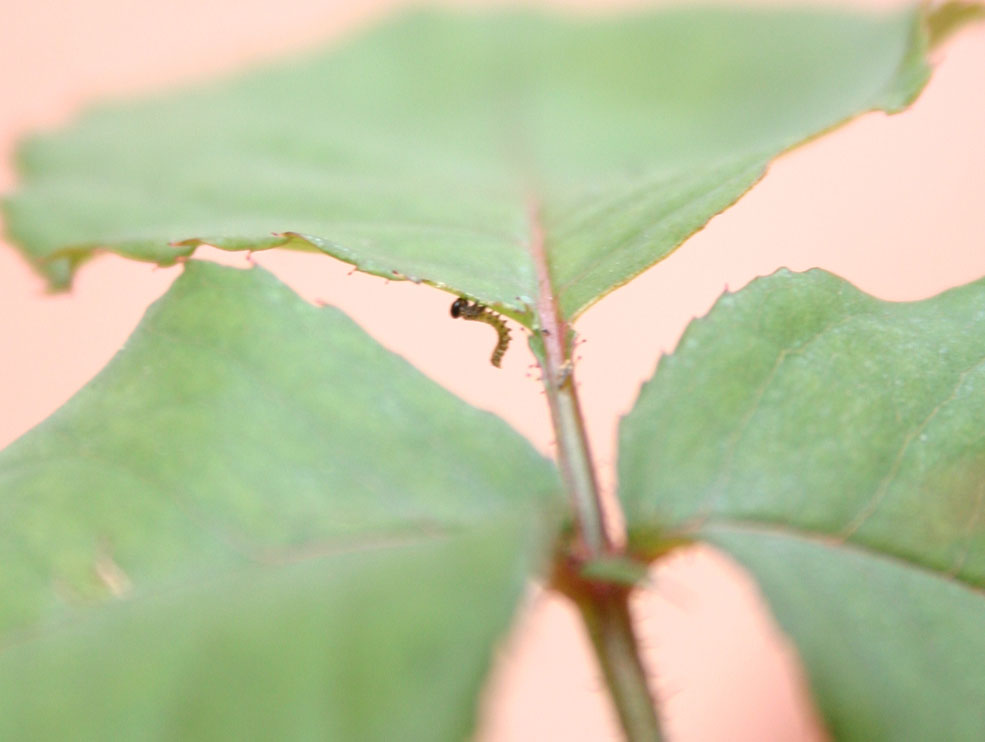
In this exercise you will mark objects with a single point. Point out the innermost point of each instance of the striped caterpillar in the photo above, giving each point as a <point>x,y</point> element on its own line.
<point>480,313</point>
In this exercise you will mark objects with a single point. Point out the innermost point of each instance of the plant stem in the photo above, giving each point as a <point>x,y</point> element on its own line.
<point>604,608</point>
<point>574,458</point>
<point>610,627</point>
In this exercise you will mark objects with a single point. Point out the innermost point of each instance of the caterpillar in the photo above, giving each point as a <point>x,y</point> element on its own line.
<point>480,313</point>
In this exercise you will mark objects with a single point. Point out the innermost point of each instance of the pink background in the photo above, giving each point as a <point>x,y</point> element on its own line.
<point>896,205</point>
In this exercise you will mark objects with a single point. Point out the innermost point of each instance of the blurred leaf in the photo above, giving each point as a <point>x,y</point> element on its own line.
<point>257,523</point>
<point>383,644</point>
<point>618,570</point>
<point>834,444</point>
<point>892,652</point>
<point>424,148</point>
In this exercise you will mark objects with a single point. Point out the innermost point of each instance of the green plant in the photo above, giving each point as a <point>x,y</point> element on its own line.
<point>300,521</point>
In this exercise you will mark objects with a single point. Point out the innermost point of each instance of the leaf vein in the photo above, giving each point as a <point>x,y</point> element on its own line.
<point>873,503</point>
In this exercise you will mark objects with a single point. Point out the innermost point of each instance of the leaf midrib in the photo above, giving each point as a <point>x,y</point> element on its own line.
<point>91,610</point>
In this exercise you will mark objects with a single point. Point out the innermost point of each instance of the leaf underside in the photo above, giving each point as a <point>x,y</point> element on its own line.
<point>892,652</point>
<point>389,643</point>
<point>257,523</point>
<point>424,148</point>
<point>833,443</point>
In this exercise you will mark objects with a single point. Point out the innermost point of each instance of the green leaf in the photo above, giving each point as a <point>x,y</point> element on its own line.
<point>894,653</point>
<point>428,148</point>
<point>835,444</point>
<point>256,522</point>
<point>616,570</point>
<point>391,643</point>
